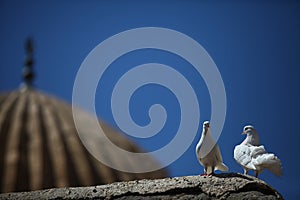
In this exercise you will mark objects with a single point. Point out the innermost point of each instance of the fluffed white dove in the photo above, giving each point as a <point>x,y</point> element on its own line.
<point>208,152</point>
<point>253,156</point>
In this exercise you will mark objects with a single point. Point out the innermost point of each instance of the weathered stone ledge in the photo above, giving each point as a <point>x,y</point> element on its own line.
<point>221,186</point>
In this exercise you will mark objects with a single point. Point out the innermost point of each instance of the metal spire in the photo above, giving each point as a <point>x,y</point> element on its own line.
<point>28,73</point>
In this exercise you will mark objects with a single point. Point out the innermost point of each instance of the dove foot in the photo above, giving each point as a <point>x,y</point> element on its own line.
<point>211,174</point>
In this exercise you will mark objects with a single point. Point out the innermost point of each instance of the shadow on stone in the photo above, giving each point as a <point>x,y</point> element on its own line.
<point>233,175</point>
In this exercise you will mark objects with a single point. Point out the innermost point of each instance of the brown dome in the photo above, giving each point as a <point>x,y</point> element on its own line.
<point>40,147</point>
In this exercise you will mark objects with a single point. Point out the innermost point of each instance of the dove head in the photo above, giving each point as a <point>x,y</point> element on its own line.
<point>248,129</point>
<point>252,136</point>
<point>206,125</point>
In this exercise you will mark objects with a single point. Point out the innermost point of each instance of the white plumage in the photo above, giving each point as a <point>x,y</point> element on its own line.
<point>208,152</point>
<point>253,156</point>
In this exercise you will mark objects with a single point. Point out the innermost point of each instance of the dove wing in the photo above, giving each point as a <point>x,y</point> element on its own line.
<point>242,154</point>
<point>220,165</point>
<point>256,151</point>
<point>218,153</point>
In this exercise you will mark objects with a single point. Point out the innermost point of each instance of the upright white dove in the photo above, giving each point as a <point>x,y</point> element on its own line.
<point>208,152</point>
<point>253,156</point>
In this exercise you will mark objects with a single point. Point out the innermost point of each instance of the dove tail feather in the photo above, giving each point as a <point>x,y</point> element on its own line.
<point>275,167</point>
<point>270,162</point>
<point>222,167</point>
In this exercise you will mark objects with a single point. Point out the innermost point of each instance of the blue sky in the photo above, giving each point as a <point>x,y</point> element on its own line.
<point>255,45</point>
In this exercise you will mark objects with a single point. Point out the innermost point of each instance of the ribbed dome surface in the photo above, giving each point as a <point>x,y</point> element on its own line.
<point>40,147</point>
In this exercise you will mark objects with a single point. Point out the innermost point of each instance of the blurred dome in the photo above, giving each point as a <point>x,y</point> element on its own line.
<point>40,147</point>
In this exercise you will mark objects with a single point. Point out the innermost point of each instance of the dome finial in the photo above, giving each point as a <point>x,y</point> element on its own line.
<point>28,73</point>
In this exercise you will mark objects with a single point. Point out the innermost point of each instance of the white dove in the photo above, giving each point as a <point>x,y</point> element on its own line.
<point>208,152</point>
<point>253,156</point>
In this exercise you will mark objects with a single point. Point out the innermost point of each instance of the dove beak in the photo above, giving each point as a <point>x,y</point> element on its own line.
<point>244,133</point>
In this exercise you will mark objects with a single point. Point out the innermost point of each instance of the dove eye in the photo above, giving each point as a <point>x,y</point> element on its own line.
<point>246,128</point>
